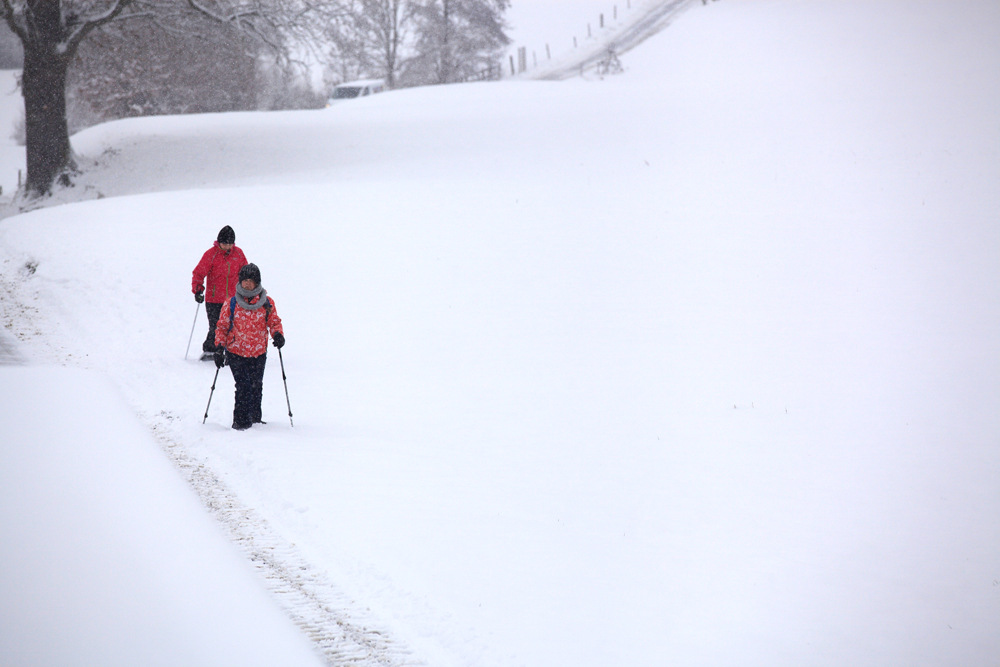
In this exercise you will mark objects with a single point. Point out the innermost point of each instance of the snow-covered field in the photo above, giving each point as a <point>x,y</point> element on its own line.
<point>107,559</point>
<point>696,365</point>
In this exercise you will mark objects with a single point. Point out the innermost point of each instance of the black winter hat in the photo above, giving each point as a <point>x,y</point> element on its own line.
<point>252,272</point>
<point>227,235</point>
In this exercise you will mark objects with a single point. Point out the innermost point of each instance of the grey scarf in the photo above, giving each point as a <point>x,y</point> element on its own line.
<point>244,295</point>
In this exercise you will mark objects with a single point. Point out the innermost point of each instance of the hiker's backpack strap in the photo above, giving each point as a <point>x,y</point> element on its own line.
<point>232,311</point>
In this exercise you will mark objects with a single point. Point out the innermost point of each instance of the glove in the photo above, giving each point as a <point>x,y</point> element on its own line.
<point>279,340</point>
<point>220,357</point>
<point>199,296</point>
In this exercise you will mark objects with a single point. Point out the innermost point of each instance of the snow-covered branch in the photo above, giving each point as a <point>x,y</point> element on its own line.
<point>10,15</point>
<point>81,29</point>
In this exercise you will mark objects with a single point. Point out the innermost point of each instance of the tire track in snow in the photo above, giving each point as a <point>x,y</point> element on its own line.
<point>343,632</point>
<point>18,317</point>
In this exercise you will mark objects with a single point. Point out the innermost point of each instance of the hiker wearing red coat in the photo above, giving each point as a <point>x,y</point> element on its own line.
<point>241,340</point>
<point>220,265</point>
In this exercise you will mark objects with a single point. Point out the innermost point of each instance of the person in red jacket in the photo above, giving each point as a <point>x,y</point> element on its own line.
<point>221,265</point>
<point>241,339</point>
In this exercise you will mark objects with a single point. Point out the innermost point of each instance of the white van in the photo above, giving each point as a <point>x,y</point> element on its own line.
<point>353,89</point>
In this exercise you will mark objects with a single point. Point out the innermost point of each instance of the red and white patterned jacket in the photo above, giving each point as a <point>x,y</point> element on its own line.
<point>248,337</point>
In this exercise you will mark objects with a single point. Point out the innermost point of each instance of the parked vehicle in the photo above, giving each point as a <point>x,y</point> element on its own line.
<point>353,89</point>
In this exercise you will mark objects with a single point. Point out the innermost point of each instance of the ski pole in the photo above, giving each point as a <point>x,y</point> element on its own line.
<point>193,325</point>
<point>285,380</point>
<point>217,369</point>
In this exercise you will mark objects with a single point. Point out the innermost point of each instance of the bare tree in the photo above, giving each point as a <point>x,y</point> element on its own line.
<point>384,24</point>
<point>347,52</point>
<point>51,32</point>
<point>136,68</point>
<point>50,35</point>
<point>455,39</point>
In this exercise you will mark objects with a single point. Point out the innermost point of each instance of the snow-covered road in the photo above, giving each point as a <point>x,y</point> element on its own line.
<point>344,632</point>
<point>636,27</point>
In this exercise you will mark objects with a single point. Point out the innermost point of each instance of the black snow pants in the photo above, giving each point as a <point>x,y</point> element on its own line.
<point>248,372</point>
<point>213,310</point>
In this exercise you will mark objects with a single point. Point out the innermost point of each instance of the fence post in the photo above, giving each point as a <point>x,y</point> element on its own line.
<point>512,72</point>
<point>548,52</point>
<point>602,20</point>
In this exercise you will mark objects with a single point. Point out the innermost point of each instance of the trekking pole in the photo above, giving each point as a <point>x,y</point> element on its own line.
<point>285,380</point>
<point>193,325</point>
<point>217,369</point>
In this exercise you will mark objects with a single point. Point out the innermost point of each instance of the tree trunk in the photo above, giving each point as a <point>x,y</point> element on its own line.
<point>43,83</point>
<point>444,74</point>
<point>391,42</point>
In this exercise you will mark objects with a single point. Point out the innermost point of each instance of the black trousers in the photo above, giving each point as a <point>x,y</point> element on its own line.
<point>213,310</point>
<point>248,372</point>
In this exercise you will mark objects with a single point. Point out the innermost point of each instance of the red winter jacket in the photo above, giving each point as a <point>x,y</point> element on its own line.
<point>222,270</point>
<point>248,337</point>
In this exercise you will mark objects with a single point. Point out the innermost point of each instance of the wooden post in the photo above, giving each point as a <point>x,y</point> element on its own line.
<point>512,72</point>
<point>602,20</point>
<point>574,42</point>
<point>548,52</point>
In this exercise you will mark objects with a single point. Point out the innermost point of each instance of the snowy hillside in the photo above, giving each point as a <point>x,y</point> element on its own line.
<point>562,39</point>
<point>695,365</point>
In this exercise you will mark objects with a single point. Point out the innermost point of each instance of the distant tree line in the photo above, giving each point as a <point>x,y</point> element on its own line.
<point>87,61</point>
<point>138,68</point>
<point>416,42</point>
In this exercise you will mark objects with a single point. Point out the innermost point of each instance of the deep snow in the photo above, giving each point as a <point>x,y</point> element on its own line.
<point>107,557</point>
<point>696,365</point>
